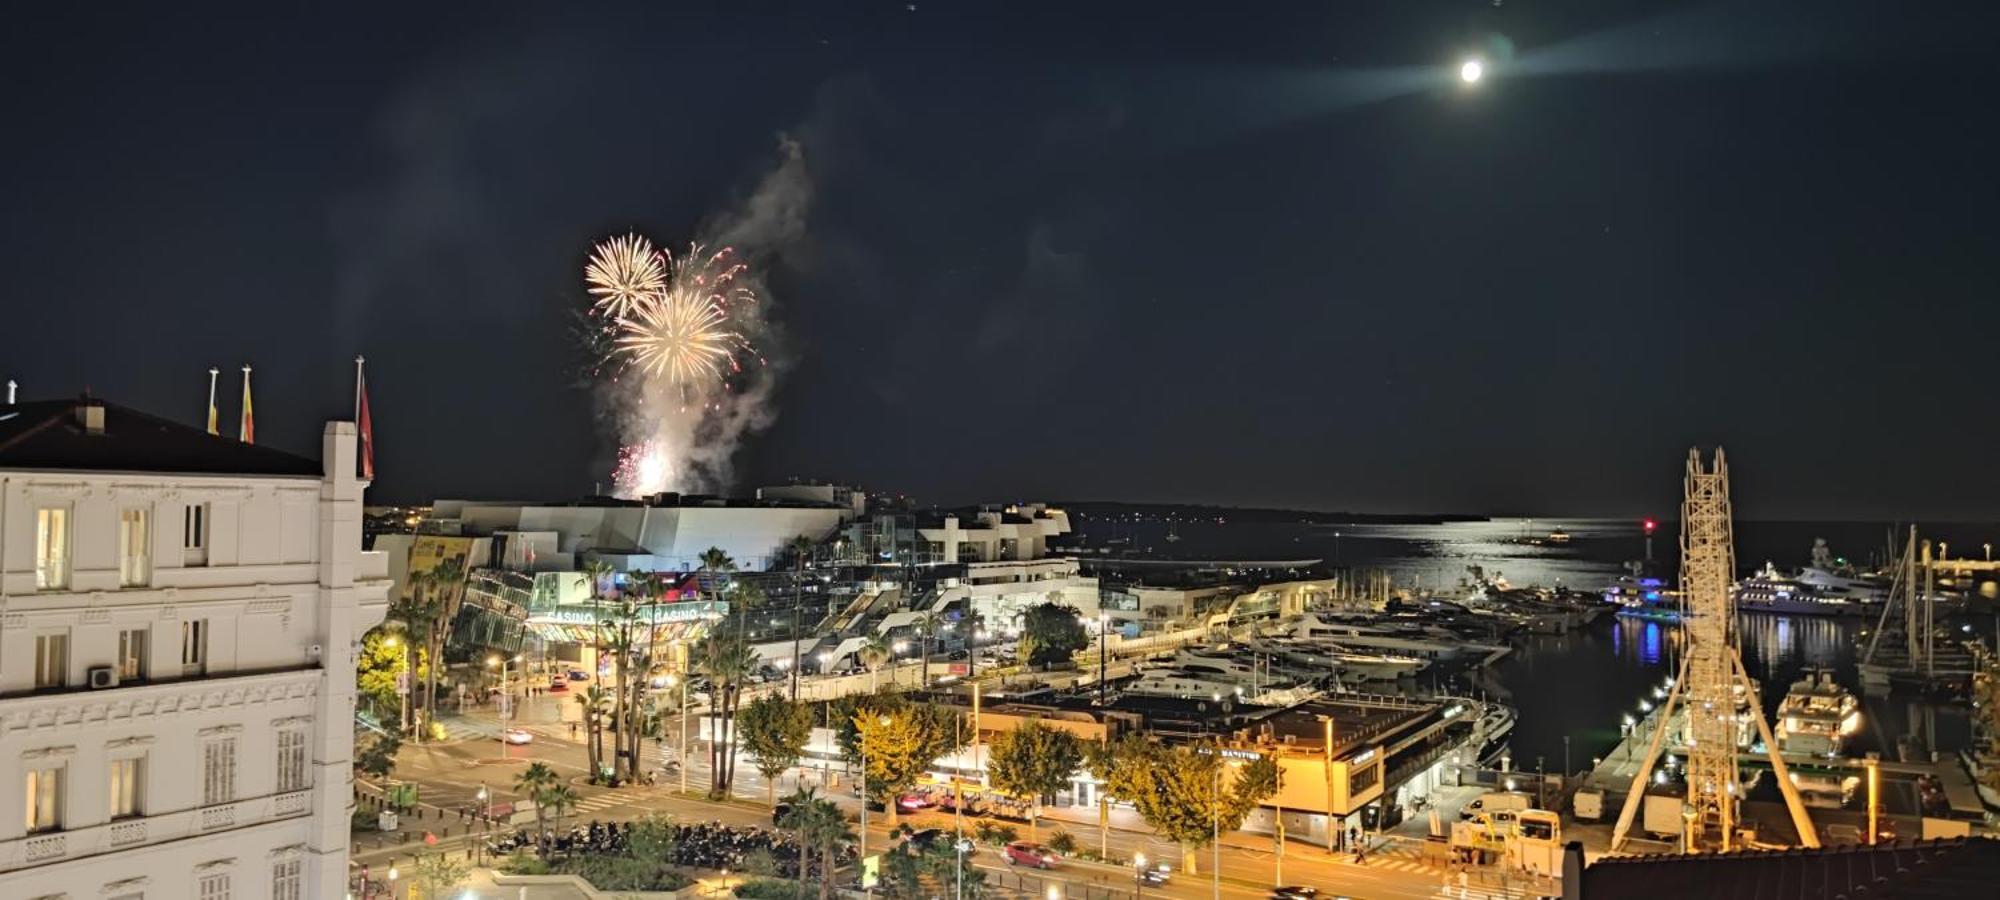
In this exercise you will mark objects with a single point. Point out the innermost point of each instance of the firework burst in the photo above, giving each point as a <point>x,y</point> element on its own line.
<point>685,332</point>
<point>623,272</point>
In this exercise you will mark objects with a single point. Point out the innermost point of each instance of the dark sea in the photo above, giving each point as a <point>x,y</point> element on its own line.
<point>1580,686</point>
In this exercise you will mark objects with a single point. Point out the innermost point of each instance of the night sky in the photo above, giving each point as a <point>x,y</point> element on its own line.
<point>1233,253</point>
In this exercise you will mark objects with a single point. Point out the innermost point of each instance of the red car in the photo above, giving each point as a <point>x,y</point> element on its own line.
<point>1029,853</point>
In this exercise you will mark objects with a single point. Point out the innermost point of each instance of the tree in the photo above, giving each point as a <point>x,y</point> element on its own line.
<point>728,664</point>
<point>536,778</point>
<point>1034,761</point>
<point>801,548</point>
<point>410,622</point>
<point>1051,633</point>
<point>377,758</point>
<point>774,732</point>
<point>594,701</point>
<point>437,874</point>
<point>902,741</point>
<point>818,825</point>
<point>873,655</point>
<point>376,667</point>
<point>446,583</point>
<point>557,798</point>
<point>1188,794</point>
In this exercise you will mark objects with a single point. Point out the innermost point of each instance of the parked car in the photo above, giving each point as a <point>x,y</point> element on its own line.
<point>1029,853</point>
<point>1294,892</point>
<point>1156,875</point>
<point>517,736</point>
<point>779,812</point>
<point>914,802</point>
<point>578,675</point>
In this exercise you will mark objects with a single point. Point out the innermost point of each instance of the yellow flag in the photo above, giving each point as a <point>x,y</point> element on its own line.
<point>247,431</point>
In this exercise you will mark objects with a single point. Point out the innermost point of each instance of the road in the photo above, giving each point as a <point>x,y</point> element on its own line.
<point>451,773</point>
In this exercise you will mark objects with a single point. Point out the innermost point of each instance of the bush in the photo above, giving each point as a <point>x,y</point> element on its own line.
<point>363,820</point>
<point>1062,843</point>
<point>760,862</point>
<point>1005,834</point>
<point>524,863</point>
<point>771,889</point>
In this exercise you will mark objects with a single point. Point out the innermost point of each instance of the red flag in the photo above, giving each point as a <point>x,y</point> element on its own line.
<point>367,439</point>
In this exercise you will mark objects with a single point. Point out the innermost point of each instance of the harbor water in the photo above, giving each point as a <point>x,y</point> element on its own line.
<point>1580,686</point>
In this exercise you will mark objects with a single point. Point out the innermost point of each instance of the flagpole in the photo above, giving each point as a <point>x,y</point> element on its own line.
<point>212,425</point>
<point>357,387</point>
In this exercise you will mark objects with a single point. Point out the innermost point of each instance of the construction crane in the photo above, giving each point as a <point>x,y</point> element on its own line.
<point>1712,685</point>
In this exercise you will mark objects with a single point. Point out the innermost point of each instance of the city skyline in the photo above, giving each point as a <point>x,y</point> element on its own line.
<point>1286,260</point>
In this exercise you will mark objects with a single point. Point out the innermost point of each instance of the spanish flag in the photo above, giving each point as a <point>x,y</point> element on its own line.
<point>247,431</point>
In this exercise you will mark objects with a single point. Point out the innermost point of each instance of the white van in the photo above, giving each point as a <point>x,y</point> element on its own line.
<point>1494,801</point>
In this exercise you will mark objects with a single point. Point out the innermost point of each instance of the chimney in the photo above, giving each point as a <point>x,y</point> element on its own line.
<point>90,415</point>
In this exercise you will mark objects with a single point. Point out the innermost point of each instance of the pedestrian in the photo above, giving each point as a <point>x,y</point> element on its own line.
<point>572,731</point>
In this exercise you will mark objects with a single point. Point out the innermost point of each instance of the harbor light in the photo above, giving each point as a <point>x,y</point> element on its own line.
<point>1645,706</point>
<point>1471,71</point>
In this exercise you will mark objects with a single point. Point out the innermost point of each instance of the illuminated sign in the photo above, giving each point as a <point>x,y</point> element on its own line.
<point>1364,758</point>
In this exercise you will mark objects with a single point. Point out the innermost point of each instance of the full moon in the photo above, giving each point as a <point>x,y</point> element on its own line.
<point>1471,71</point>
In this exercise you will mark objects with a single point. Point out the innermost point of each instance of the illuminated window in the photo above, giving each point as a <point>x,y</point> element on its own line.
<point>44,794</point>
<point>52,548</point>
<point>126,790</point>
<point>135,552</point>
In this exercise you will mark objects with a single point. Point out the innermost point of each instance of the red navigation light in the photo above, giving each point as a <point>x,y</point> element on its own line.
<point>1650,525</point>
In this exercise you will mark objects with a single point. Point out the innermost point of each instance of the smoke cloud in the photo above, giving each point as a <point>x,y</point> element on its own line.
<point>684,439</point>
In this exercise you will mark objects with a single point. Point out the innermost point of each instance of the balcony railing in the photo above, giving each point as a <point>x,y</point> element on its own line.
<point>80,843</point>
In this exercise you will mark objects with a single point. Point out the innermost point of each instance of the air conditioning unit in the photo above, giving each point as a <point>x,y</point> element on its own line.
<point>102,677</point>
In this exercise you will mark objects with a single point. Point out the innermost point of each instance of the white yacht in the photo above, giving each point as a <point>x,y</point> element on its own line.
<point>1193,683</point>
<point>1355,636</point>
<point>1817,716</point>
<point>1348,665</point>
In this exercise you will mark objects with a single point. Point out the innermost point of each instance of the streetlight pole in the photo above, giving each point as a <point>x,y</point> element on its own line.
<point>1103,651</point>
<point>1138,875</point>
<point>1215,829</point>
<point>483,820</point>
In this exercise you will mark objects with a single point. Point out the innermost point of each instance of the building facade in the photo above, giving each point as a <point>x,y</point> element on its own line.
<point>178,617</point>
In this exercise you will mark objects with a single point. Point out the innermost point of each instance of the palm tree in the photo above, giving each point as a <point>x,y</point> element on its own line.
<point>800,547</point>
<point>531,782</point>
<point>927,623</point>
<point>714,565</point>
<point>873,655</point>
<point>727,664</point>
<point>410,620</point>
<point>819,825</point>
<point>557,797</point>
<point>446,580</point>
<point>594,700</point>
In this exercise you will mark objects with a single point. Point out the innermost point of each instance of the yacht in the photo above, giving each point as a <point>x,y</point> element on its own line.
<point>1370,638</point>
<point>1768,591</point>
<point>1349,666</point>
<point>1817,716</point>
<point>1192,683</point>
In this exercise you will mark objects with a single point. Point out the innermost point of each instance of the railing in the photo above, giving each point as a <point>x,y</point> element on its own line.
<point>47,846</point>
<point>123,834</point>
<point>214,817</point>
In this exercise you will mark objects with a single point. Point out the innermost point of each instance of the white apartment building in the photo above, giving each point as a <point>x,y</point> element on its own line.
<point>178,617</point>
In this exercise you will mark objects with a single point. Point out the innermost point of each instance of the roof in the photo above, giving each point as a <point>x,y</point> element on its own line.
<point>1957,867</point>
<point>49,434</point>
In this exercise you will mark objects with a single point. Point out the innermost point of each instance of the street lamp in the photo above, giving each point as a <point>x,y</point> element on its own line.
<point>402,686</point>
<point>1103,650</point>
<point>1138,875</point>
<point>392,881</point>
<point>484,819</point>
<point>681,750</point>
<point>506,698</point>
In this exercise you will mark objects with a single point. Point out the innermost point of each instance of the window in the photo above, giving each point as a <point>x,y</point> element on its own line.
<point>285,881</point>
<point>52,660</point>
<point>292,760</point>
<point>218,772</point>
<point>212,887</point>
<point>132,644</point>
<point>126,790</point>
<point>44,793</point>
<point>194,535</point>
<point>194,646</point>
<point>135,549</point>
<point>52,548</point>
